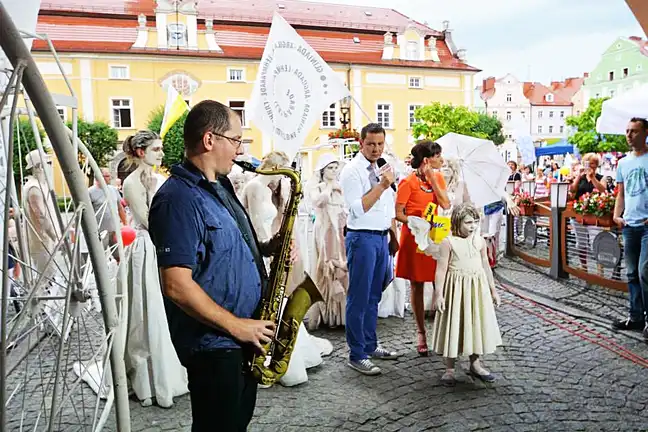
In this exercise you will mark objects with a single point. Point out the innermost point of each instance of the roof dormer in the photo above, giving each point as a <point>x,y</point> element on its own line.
<point>177,24</point>
<point>549,97</point>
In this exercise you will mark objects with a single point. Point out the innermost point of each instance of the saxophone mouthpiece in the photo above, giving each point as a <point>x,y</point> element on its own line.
<point>246,166</point>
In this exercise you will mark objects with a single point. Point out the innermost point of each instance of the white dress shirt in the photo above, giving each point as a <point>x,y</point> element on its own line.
<point>355,183</point>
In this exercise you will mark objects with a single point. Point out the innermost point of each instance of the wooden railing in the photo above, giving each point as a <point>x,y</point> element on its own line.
<point>591,253</point>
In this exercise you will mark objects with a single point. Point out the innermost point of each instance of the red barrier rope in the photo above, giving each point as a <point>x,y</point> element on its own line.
<point>598,338</point>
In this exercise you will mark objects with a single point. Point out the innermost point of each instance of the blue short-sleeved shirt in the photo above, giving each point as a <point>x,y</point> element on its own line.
<point>190,227</point>
<point>633,173</point>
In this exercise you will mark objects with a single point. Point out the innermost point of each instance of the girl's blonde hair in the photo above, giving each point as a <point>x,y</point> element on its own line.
<point>459,213</point>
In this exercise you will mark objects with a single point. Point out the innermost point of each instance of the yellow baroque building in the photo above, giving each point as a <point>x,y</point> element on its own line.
<point>119,56</point>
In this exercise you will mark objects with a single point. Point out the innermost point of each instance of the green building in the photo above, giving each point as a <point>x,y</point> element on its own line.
<point>623,67</point>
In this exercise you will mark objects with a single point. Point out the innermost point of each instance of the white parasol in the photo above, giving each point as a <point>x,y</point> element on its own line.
<point>484,171</point>
<point>617,112</point>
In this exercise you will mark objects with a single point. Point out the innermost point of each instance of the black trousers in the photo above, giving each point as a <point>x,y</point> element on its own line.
<point>223,393</point>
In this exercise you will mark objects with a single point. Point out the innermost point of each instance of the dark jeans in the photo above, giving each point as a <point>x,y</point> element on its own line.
<point>368,262</point>
<point>636,258</point>
<point>223,393</point>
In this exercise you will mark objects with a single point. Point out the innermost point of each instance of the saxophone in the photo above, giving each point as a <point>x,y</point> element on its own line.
<point>305,295</point>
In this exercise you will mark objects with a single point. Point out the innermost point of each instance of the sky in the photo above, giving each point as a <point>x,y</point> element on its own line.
<point>536,40</point>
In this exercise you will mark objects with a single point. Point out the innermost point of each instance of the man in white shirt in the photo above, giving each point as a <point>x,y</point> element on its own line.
<point>371,232</point>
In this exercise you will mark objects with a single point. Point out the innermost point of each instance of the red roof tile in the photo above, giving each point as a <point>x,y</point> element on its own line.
<point>82,34</point>
<point>535,92</point>
<point>256,11</point>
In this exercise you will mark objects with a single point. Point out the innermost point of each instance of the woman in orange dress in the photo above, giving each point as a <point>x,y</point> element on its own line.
<point>414,194</point>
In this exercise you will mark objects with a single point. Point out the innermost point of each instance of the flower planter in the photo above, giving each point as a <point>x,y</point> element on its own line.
<point>589,219</point>
<point>605,221</point>
<point>527,209</point>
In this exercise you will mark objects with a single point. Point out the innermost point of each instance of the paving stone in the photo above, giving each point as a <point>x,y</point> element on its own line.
<point>548,378</point>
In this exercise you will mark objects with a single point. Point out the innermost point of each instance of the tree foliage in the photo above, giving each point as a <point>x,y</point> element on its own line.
<point>436,120</point>
<point>173,143</point>
<point>586,139</point>
<point>100,138</point>
<point>24,141</point>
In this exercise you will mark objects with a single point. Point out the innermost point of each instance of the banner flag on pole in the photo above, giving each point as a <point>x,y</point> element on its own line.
<point>174,108</point>
<point>292,89</point>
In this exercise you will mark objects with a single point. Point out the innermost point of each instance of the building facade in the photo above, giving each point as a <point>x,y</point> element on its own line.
<point>622,68</point>
<point>120,56</point>
<point>533,107</point>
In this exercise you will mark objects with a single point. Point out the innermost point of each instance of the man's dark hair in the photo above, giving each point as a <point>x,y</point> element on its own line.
<point>374,128</point>
<point>643,121</point>
<point>206,116</point>
<point>515,165</point>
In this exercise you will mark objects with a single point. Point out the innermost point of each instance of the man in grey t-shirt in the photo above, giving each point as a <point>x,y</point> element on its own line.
<point>102,211</point>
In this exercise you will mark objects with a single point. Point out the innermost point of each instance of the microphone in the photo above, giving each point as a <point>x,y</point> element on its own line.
<point>381,162</point>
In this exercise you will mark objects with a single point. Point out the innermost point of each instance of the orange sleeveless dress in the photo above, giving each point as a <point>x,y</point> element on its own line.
<point>410,264</point>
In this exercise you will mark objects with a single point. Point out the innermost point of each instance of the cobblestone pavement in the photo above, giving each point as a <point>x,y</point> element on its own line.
<point>549,377</point>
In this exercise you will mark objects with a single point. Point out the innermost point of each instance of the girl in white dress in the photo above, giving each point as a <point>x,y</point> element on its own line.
<point>464,294</point>
<point>152,364</point>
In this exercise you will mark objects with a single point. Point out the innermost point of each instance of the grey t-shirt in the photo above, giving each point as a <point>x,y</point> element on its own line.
<point>103,215</point>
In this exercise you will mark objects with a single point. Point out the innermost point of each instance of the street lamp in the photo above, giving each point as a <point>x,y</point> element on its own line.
<point>345,110</point>
<point>529,186</point>
<point>559,193</point>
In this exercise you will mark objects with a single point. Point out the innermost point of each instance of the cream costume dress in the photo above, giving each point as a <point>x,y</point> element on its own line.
<point>330,272</point>
<point>151,360</point>
<point>468,325</point>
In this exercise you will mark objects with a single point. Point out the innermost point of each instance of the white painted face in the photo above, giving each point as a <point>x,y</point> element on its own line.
<point>331,172</point>
<point>153,154</point>
<point>468,226</point>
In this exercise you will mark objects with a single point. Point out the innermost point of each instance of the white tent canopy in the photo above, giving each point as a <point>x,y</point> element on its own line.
<point>617,112</point>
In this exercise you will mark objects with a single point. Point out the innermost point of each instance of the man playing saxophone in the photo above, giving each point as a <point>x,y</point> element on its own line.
<point>212,271</point>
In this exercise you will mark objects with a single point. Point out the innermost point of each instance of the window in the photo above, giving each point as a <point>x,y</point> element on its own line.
<point>549,97</point>
<point>598,95</point>
<point>577,112</point>
<point>177,35</point>
<point>235,75</point>
<point>412,109</point>
<point>562,114</point>
<point>550,114</point>
<point>412,50</point>
<point>415,82</point>
<point>612,93</point>
<point>508,115</point>
<point>509,97</point>
<point>329,117</point>
<point>188,102</point>
<point>625,72</point>
<point>122,113</point>
<point>611,76</point>
<point>495,114</point>
<point>383,115</point>
<point>562,129</point>
<point>62,111</point>
<point>539,129</point>
<point>239,108</point>
<point>550,129</point>
<point>539,114</point>
<point>523,114</point>
<point>639,68</point>
<point>119,72</point>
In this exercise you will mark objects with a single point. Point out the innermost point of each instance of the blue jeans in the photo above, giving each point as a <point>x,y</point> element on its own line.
<point>636,257</point>
<point>368,263</point>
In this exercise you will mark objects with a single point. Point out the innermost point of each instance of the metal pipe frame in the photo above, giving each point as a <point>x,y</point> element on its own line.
<point>16,51</point>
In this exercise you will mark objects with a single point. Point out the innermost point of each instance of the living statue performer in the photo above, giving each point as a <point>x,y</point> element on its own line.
<point>464,293</point>
<point>330,274</point>
<point>265,198</point>
<point>152,364</point>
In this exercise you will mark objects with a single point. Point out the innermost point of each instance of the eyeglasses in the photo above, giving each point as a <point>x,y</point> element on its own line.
<point>234,141</point>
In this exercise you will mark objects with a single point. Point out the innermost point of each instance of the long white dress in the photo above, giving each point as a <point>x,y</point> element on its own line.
<point>308,350</point>
<point>151,360</point>
<point>468,325</point>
